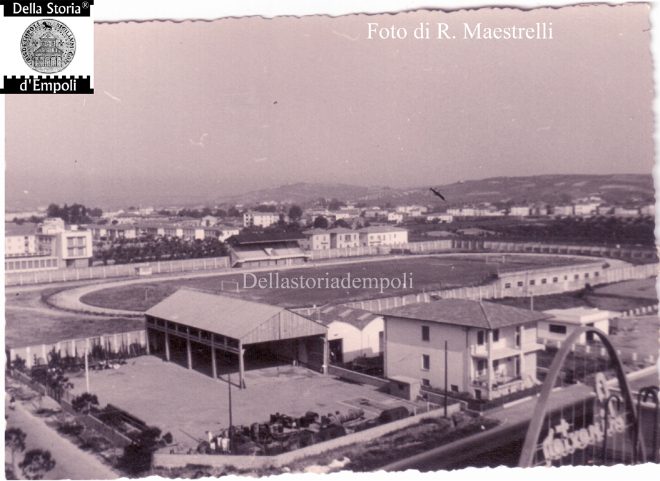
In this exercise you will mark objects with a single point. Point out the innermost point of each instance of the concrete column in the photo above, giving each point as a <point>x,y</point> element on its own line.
<point>146,340</point>
<point>522,352</point>
<point>241,366</point>
<point>167,346</point>
<point>214,366</point>
<point>326,354</point>
<point>188,350</point>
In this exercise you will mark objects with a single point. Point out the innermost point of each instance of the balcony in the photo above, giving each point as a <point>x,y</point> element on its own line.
<point>502,384</point>
<point>503,351</point>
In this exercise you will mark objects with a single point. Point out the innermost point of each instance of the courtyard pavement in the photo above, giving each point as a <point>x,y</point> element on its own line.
<point>188,403</point>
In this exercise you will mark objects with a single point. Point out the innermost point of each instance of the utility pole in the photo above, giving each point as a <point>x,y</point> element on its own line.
<point>231,424</point>
<point>87,364</point>
<point>446,373</point>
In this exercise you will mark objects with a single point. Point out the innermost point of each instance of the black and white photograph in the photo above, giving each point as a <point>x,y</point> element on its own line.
<point>413,239</point>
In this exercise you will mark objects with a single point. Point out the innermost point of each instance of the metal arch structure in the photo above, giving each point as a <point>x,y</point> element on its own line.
<point>536,424</point>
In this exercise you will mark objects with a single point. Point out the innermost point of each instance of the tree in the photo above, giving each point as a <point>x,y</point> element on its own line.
<point>36,463</point>
<point>335,204</point>
<point>84,403</point>
<point>233,212</point>
<point>138,455</point>
<point>295,213</point>
<point>15,441</point>
<point>321,222</point>
<point>341,223</point>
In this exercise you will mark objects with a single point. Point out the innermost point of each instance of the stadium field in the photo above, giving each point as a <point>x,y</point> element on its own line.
<point>423,273</point>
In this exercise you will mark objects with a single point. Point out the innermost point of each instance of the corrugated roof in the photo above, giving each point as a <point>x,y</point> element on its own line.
<point>220,314</point>
<point>462,312</point>
<point>355,317</point>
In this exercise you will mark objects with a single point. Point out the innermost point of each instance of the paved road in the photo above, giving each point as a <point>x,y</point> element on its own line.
<point>71,462</point>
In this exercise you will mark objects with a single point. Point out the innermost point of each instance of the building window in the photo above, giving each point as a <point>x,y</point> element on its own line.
<point>454,388</point>
<point>481,366</point>
<point>557,329</point>
<point>520,283</point>
<point>426,382</point>
<point>481,337</point>
<point>532,282</point>
<point>507,285</point>
<point>496,364</point>
<point>576,276</point>
<point>544,281</point>
<point>586,275</point>
<point>596,274</point>
<point>518,335</point>
<point>555,279</point>
<point>426,362</point>
<point>426,335</point>
<point>496,335</point>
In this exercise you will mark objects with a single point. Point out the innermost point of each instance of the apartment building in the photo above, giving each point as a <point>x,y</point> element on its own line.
<point>260,219</point>
<point>383,236</point>
<point>490,348</point>
<point>315,239</point>
<point>341,238</point>
<point>49,245</point>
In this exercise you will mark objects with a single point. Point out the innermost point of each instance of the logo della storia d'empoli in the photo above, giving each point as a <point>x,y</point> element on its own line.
<point>48,46</point>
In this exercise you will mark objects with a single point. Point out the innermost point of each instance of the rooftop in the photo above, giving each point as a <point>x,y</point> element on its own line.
<point>265,237</point>
<point>462,312</point>
<point>381,228</point>
<point>220,314</point>
<point>13,229</point>
<point>355,317</point>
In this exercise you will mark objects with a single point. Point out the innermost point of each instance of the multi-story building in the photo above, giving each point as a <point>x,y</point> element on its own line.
<point>315,240</point>
<point>221,232</point>
<point>383,236</point>
<point>260,219</point>
<point>626,212</point>
<point>585,209</point>
<point>563,210</point>
<point>396,217</point>
<point>341,238</point>
<point>49,245</point>
<point>520,211</point>
<point>20,239</point>
<point>490,348</point>
<point>441,218</point>
<point>647,209</point>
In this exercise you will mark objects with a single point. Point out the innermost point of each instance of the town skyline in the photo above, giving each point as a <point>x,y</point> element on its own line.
<point>629,192</point>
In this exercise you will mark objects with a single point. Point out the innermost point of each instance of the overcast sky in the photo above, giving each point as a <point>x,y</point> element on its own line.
<point>196,110</point>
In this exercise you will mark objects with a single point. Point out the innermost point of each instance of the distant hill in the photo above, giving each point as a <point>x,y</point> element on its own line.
<point>553,189</point>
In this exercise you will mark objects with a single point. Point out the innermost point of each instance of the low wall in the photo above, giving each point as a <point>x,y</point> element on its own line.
<point>645,254</point>
<point>497,289</point>
<point>115,270</point>
<point>358,377</point>
<point>414,247</point>
<point>113,343</point>
<point>166,460</point>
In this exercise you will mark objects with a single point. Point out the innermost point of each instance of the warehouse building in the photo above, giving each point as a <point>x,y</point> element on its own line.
<point>219,335</point>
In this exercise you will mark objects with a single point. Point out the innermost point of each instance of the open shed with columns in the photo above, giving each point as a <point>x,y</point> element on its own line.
<point>219,334</point>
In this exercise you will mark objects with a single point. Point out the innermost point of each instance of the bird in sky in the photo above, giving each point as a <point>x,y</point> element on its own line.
<point>438,194</point>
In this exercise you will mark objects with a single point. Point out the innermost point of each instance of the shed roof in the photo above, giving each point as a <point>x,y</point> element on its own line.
<point>234,317</point>
<point>463,312</point>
